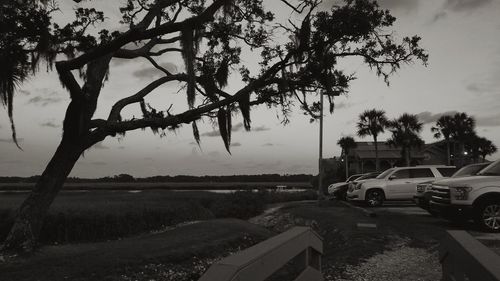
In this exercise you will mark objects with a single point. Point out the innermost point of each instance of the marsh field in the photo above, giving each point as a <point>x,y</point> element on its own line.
<point>159,185</point>
<point>100,212</point>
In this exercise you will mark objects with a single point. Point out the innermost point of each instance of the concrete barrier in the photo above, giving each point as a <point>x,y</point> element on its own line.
<point>260,261</point>
<point>465,258</point>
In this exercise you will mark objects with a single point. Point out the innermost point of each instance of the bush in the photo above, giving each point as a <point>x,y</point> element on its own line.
<point>278,197</point>
<point>99,216</point>
<point>240,204</point>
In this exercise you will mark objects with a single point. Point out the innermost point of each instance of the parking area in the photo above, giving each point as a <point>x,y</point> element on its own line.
<point>420,218</point>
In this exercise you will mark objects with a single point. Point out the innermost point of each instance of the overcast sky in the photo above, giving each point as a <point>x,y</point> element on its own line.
<point>461,36</point>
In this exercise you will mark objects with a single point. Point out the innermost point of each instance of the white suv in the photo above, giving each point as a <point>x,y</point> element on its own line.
<point>394,184</point>
<point>476,197</point>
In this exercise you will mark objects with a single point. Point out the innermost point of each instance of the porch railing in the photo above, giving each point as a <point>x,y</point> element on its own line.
<point>300,244</point>
<point>465,258</point>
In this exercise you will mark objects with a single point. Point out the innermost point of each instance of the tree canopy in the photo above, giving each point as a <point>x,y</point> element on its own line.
<point>211,37</point>
<point>299,59</point>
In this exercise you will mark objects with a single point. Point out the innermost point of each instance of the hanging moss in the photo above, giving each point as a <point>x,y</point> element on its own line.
<point>245,111</point>
<point>223,128</point>
<point>196,132</point>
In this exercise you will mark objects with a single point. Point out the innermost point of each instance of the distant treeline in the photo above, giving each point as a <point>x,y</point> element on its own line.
<point>180,178</point>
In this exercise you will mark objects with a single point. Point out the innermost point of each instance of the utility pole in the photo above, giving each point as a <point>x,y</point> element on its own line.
<point>320,165</point>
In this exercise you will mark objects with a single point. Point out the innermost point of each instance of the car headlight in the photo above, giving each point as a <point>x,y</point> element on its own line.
<point>358,186</point>
<point>423,187</point>
<point>460,192</point>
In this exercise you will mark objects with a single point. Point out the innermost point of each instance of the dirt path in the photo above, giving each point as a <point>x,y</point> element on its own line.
<point>390,246</point>
<point>179,254</point>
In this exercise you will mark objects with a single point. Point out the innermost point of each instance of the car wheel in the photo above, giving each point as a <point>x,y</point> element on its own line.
<point>374,197</point>
<point>488,216</point>
<point>344,196</point>
<point>433,213</point>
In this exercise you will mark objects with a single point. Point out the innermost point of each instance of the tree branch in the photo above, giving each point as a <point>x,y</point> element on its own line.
<point>139,32</point>
<point>114,114</point>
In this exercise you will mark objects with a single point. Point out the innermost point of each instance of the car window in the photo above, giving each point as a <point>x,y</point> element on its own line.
<point>421,173</point>
<point>385,174</point>
<point>369,176</point>
<point>470,170</point>
<point>401,174</point>
<point>447,172</point>
<point>491,170</point>
<point>353,178</point>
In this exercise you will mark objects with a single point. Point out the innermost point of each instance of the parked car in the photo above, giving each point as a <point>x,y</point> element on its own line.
<point>340,192</point>
<point>333,186</point>
<point>397,183</point>
<point>476,197</point>
<point>423,195</point>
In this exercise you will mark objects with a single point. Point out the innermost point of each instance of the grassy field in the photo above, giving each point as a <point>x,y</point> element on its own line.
<point>100,215</point>
<point>161,185</point>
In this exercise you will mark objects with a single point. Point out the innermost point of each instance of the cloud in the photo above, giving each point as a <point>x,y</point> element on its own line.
<point>458,6</point>
<point>216,133</point>
<point>44,101</point>
<point>427,117</point>
<point>235,144</point>
<point>214,154</point>
<point>260,129</point>
<point>19,140</point>
<point>152,72</point>
<point>50,124</point>
<point>99,145</point>
<point>404,5</point>
<point>465,5</point>
<point>488,121</point>
<point>268,144</point>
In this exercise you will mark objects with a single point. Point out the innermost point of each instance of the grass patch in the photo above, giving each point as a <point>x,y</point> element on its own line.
<point>108,215</point>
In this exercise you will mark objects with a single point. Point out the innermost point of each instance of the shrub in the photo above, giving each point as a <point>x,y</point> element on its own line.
<point>240,204</point>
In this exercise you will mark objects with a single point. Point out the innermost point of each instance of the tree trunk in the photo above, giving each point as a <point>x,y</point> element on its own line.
<point>24,233</point>
<point>407,157</point>
<point>346,165</point>
<point>377,167</point>
<point>448,160</point>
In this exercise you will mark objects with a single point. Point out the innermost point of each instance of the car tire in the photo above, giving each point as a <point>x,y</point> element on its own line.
<point>433,213</point>
<point>344,196</point>
<point>487,215</point>
<point>374,197</point>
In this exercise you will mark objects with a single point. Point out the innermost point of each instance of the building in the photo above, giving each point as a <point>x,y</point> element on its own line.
<point>362,158</point>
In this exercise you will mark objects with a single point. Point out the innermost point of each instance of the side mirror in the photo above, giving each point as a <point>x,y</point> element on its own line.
<point>392,177</point>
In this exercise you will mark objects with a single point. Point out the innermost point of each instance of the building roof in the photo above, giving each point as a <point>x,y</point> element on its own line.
<point>366,150</point>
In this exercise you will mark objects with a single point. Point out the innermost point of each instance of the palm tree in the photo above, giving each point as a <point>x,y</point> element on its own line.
<point>444,128</point>
<point>463,129</point>
<point>372,123</point>
<point>405,134</point>
<point>346,143</point>
<point>486,147</point>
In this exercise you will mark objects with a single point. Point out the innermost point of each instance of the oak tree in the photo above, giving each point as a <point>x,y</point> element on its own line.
<point>298,60</point>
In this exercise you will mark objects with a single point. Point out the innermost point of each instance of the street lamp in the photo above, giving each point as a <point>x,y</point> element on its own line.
<point>320,164</point>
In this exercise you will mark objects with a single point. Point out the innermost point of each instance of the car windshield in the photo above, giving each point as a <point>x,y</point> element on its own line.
<point>368,176</point>
<point>491,170</point>
<point>385,173</point>
<point>469,170</point>
<point>352,178</point>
